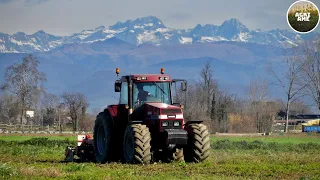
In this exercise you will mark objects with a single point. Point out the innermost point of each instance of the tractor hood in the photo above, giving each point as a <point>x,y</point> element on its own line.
<point>155,108</point>
<point>161,105</point>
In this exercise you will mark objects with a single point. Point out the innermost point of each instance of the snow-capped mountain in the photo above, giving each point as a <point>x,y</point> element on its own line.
<point>151,30</point>
<point>21,42</point>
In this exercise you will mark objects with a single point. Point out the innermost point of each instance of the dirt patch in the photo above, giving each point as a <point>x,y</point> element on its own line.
<point>44,172</point>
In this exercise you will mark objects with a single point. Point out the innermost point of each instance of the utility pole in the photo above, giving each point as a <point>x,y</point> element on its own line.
<point>59,121</point>
<point>42,121</point>
<point>59,108</point>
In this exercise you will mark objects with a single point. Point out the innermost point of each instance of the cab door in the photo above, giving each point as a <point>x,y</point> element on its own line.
<point>119,111</point>
<point>179,92</point>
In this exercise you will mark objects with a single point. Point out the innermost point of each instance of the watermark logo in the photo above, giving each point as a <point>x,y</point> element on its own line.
<point>303,16</point>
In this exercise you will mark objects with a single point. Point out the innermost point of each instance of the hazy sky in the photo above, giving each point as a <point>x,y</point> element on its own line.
<point>64,17</point>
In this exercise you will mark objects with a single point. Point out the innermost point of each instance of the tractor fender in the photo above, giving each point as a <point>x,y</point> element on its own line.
<point>112,112</point>
<point>192,122</point>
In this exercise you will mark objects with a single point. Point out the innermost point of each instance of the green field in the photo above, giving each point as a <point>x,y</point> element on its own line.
<point>265,157</point>
<point>282,139</point>
<point>28,137</point>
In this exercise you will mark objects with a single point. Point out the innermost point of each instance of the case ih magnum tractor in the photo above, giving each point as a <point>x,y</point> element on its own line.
<point>147,126</point>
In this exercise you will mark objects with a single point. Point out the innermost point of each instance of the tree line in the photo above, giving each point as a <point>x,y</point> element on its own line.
<point>23,91</point>
<point>224,112</point>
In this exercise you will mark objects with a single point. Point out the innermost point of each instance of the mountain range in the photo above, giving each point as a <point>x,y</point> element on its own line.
<point>86,61</point>
<point>151,30</point>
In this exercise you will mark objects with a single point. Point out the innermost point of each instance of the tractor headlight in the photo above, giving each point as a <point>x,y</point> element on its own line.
<point>176,123</point>
<point>165,123</point>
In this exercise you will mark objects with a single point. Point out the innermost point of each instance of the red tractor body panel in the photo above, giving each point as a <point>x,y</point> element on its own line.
<point>149,78</point>
<point>113,110</point>
<point>119,114</point>
<point>156,113</point>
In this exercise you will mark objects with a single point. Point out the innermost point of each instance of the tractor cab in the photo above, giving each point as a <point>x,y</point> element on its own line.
<point>136,90</point>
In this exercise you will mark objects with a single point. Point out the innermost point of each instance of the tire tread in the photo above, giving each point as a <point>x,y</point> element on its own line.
<point>198,149</point>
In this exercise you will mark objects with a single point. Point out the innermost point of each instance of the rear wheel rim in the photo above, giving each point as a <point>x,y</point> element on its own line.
<point>101,139</point>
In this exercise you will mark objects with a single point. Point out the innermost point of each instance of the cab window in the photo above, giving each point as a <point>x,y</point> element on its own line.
<point>124,93</point>
<point>157,92</point>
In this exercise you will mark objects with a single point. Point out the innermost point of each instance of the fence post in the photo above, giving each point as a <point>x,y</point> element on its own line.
<point>60,130</point>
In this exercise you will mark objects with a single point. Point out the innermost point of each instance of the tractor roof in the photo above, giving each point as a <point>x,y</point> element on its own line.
<point>148,77</point>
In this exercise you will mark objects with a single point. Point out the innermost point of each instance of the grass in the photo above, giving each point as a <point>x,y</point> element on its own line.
<point>278,138</point>
<point>274,157</point>
<point>24,137</point>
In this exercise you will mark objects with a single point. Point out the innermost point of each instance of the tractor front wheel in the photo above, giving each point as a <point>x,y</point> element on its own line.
<point>136,144</point>
<point>198,148</point>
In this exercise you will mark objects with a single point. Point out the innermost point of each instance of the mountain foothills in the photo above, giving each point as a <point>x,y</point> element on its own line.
<point>151,30</point>
<point>86,61</point>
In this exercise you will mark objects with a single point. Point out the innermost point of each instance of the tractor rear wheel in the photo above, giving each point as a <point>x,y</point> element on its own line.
<point>136,144</point>
<point>102,138</point>
<point>198,148</point>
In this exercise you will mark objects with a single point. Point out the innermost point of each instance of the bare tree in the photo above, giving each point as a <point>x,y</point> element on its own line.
<point>290,80</point>
<point>209,89</point>
<point>51,104</point>
<point>269,114</point>
<point>201,94</point>
<point>83,117</point>
<point>62,111</point>
<point>76,103</point>
<point>88,122</point>
<point>198,110</point>
<point>258,90</point>
<point>208,84</point>
<point>25,81</point>
<point>8,109</point>
<point>224,106</point>
<point>311,72</point>
<point>299,107</point>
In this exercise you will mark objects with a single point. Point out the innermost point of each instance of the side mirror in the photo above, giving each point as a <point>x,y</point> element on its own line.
<point>117,86</point>
<point>183,86</point>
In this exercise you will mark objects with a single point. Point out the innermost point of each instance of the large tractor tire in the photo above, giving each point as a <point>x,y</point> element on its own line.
<point>136,144</point>
<point>198,148</point>
<point>102,138</point>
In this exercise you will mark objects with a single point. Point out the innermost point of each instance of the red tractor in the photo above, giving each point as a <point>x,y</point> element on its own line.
<point>147,125</point>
